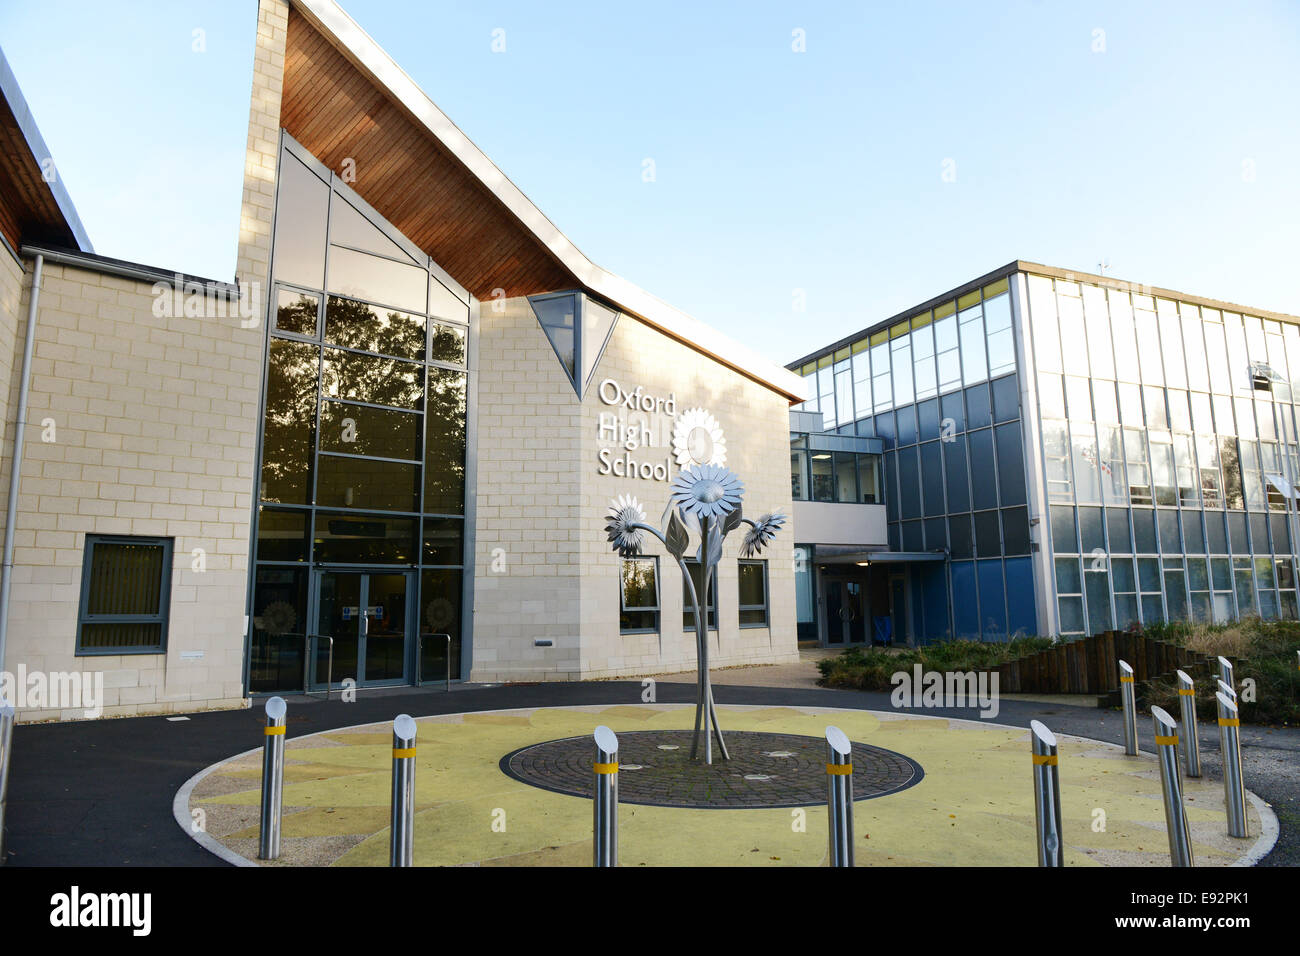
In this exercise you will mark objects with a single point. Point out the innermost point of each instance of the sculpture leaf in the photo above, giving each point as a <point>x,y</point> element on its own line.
<point>715,544</point>
<point>675,535</point>
<point>732,521</point>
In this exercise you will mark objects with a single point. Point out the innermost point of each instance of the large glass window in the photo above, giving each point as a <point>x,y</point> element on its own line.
<point>364,430</point>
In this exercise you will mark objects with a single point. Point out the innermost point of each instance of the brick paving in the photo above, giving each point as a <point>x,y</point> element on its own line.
<point>765,770</point>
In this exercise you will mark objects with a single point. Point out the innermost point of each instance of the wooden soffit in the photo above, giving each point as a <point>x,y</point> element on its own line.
<point>346,119</point>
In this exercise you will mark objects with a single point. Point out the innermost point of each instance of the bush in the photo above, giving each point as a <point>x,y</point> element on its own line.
<point>870,668</point>
<point>1260,651</point>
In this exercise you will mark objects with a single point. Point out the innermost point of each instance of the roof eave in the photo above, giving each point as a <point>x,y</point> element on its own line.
<point>328,17</point>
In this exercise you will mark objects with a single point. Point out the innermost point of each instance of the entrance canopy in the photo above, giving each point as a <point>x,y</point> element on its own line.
<point>868,558</point>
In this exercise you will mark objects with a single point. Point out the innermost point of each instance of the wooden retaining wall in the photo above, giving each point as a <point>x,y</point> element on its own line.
<point>1088,665</point>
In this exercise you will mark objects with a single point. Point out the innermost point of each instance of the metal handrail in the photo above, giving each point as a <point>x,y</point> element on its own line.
<point>308,660</point>
<point>419,659</point>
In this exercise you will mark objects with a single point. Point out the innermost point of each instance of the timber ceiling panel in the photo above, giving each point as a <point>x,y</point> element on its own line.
<point>338,113</point>
<point>28,211</point>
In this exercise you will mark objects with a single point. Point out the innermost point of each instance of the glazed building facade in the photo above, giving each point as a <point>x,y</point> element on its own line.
<point>385,452</point>
<point>1065,453</point>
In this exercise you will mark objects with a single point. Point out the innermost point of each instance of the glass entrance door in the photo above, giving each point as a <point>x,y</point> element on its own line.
<point>845,607</point>
<point>367,615</point>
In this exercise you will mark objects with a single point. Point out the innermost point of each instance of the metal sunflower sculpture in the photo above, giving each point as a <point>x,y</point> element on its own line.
<point>705,499</point>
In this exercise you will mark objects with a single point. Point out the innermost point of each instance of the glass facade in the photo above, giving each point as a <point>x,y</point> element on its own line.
<point>362,448</point>
<point>1170,452</point>
<point>941,391</point>
<point>1168,456</point>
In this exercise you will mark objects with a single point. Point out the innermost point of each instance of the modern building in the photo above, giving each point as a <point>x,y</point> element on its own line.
<point>385,450</point>
<point>1047,452</point>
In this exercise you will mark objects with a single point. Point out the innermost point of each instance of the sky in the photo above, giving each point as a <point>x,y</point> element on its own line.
<point>787,172</point>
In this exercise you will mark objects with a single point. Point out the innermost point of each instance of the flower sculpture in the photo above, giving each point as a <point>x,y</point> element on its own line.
<point>625,514</point>
<point>707,491</point>
<point>706,499</point>
<point>760,534</point>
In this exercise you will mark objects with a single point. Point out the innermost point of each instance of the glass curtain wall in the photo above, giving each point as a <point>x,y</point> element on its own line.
<point>363,434</point>
<point>1169,444</point>
<point>941,390</point>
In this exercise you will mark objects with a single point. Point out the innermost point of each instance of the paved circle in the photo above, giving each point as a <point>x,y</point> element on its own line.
<point>765,770</point>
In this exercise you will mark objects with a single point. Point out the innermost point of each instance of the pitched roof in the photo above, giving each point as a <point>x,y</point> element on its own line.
<point>423,174</point>
<point>32,206</point>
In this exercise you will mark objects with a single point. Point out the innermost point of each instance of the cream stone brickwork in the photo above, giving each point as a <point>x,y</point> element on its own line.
<point>541,499</point>
<point>13,314</point>
<point>254,258</point>
<point>139,424</point>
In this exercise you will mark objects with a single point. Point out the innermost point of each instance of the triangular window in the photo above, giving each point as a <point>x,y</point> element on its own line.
<point>578,328</point>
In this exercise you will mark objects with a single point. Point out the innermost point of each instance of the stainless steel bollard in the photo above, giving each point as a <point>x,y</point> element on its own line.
<point>605,801</point>
<point>1191,745</point>
<point>6,752</point>
<point>1047,796</point>
<point>401,847</point>
<point>1126,695</point>
<point>839,796</point>
<point>1171,784</point>
<point>272,778</point>
<point>1234,788</point>
<point>1225,675</point>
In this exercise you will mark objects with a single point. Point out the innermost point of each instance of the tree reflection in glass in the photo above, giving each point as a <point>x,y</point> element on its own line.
<point>288,435</point>
<point>444,472</point>
<point>370,328</point>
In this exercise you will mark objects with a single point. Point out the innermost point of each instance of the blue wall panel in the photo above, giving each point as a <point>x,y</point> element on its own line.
<point>993,614</point>
<point>965,602</point>
<point>1021,616</point>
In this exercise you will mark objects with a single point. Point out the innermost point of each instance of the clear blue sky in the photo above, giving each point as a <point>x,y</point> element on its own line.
<point>1174,153</point>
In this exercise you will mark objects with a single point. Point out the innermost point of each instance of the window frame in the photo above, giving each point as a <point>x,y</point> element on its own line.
<point>653,561</point>
<point>163,615</point>
<point>741,608</point>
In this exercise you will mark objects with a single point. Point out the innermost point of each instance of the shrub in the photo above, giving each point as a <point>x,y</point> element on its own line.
<point>870,668</point>
<point>1261,651</point>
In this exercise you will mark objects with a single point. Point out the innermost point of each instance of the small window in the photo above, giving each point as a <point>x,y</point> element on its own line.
<point>639,596</point>
<point>688,612</point>
<point>125,590</point>
<point>753,594</point>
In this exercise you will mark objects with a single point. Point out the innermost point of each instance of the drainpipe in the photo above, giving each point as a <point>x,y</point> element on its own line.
<point>15,471</point>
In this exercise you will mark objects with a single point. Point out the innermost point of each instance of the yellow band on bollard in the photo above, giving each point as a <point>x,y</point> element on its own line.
<point>839,769</point>
<point>1186,692</point>
<point>272,731</point>
<point>1047,759</point>
<point>605,767</point>
<point>1126,680</point>
<point>399,752</point>
<point>1168,741</point>
<point>1229,721</point>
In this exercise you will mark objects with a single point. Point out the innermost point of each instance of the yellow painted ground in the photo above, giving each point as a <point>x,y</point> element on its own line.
<point>974,806</point>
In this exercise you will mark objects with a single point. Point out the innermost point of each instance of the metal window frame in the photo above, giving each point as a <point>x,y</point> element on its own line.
<point>765,607</point>
<point>163,616</point>
<point>653,561</point>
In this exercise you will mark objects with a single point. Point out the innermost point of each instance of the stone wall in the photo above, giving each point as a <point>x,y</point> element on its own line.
<point>542,500</point>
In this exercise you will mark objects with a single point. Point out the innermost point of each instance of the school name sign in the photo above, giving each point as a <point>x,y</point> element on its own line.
<point>649,424</point>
